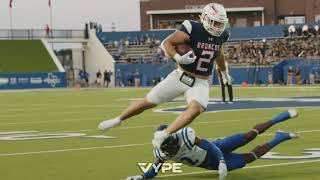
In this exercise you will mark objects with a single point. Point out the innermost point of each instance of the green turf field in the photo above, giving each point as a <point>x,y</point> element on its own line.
<point>85,158</point>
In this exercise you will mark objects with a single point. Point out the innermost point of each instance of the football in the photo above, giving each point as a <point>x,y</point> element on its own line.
<point>183,48</point>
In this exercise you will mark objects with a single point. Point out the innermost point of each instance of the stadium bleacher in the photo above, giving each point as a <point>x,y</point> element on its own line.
<point>244,46</point>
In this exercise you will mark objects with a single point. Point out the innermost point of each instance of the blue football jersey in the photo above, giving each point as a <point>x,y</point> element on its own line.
<point>205,46</point>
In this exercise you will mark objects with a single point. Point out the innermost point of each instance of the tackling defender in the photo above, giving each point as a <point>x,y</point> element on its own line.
<point>193,72</point>
<point>187,148</point>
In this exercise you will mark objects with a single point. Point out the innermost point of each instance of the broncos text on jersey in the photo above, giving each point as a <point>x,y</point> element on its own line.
<point>204,45</point>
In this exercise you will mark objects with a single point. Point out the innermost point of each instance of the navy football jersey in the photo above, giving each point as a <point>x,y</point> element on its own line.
<point>205,46</point>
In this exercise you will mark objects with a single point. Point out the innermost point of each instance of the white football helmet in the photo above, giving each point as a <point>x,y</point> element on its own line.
<point>214,18</point>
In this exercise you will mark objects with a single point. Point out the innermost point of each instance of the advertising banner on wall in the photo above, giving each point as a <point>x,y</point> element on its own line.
<point>33,80</point>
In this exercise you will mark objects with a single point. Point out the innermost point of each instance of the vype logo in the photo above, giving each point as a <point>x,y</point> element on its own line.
<point>173,167</point>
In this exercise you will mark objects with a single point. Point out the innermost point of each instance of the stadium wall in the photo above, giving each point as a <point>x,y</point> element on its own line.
<point>249,74</point>
<point>97,58</point>
<point>29,64</point>
<point>33,80</point>
<point>306,66</point>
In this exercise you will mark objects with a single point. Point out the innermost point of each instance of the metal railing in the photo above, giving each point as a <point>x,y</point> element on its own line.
<point>30,34</point>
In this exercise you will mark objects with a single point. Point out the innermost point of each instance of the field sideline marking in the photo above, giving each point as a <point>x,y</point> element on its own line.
<point>249,167</point>
<point>107,147</point>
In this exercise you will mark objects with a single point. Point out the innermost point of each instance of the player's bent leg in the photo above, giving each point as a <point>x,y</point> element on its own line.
<point>262,127</point>
<point>198,99</point>
<point>165,91</point>
<point>235,161</point>
<point>261,150</point>
<point>231,143</point>
<point>193,110</point>
<point>132,110</point>
<point>137,108</point>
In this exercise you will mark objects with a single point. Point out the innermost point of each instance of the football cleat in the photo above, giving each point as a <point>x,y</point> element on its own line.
<point>108,124</point>
<point>293,113</point>
<point>283,136</point>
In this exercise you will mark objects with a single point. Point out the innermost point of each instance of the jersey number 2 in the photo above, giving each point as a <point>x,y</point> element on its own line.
<point>204,60</point>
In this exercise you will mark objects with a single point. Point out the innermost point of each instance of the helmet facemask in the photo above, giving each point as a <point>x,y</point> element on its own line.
<point>170,146</point>
<point>214,21</point>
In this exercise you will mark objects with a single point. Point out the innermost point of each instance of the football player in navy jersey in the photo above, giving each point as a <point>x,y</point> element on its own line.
<point>187,148</point>
<point>194,70</point>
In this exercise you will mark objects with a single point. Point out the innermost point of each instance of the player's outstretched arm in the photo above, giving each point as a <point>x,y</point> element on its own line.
<point>213,150</point>
<point>151,173</point>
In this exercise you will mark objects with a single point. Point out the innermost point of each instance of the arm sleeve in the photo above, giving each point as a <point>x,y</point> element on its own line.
<point>226,36</point>
<point>211,149</point>
<point>188,136</point>
<point>186,27</point>
<point>151,173</point>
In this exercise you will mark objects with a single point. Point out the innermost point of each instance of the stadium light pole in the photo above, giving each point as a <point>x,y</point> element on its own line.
<point>51,23</point>
<point>51,19</point>
<point>11,24</point>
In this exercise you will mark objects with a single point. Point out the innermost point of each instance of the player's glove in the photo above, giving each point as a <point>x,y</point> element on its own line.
<point>226,78</point>
<point>159,137</point>
<point>223,171</point>
<point>187,58</point>
<point>135,177</point>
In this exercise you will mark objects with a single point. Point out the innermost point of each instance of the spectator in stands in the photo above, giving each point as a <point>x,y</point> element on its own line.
<point>263,49</point>
<point>81,77</point>
<point>86,78</point>
<point>130,79</point>
<point>292,30</point>
<point>136,40</point>
<point>298,75</point>
<point>129,60</point>
<point>316,30</point>
<point>48,31</point>
<point>119,78</point>
<point>270,76</point>
<point>100,28</point>
<point>127,42</point>
<point>99,78</point>
<point>106,78</point>
<point>115,44</point>
<point>305,30</point>
<point>290,74</point>
<point>312,76</point>
<point>137,78</point>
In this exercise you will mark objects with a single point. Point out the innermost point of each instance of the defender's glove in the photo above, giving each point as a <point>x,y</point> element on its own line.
<point>226,78</point>
<point>223,171</point>
<point>185,59</point>
<point>159,137</point>
<point>135,177</point>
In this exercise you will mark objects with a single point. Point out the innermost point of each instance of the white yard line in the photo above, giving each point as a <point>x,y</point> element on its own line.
<point>248,167</point>
<point>102,147</point>
<point>136,127</point>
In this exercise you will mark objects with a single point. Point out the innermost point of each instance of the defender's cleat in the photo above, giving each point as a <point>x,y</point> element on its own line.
<point>108,124</point>
<point>293,113</point>
<point>283,136</point>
